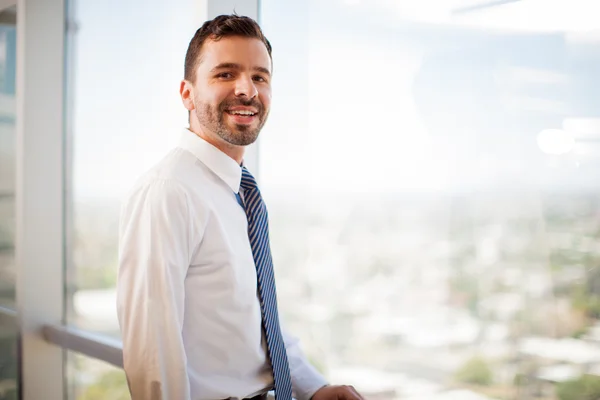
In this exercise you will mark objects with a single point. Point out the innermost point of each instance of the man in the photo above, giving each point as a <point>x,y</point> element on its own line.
<point>196,294</point>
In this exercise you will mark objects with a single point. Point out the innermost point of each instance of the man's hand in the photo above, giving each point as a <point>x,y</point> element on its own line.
<point>337,393</point>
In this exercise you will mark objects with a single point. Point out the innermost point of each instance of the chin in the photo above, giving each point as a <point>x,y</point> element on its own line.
<point>240,139</point>
<point>247,134</point>
<point>248,141</point>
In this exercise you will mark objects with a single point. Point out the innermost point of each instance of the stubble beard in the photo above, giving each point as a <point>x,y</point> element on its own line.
<point>213,118</point>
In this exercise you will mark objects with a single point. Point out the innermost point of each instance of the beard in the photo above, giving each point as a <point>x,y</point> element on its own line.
<point>213,118</point>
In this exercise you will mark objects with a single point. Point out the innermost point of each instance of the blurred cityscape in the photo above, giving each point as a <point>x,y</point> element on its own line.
<point>491,295</point>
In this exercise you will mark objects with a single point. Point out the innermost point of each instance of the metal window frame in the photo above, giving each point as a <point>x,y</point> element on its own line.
<point>39,240</point>
<point>43,168</point>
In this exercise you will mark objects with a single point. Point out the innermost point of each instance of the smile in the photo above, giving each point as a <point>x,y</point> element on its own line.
<point>242,117</point>
<point>245,113</point>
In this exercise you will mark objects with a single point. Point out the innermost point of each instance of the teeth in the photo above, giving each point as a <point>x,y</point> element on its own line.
<point>242,112</point>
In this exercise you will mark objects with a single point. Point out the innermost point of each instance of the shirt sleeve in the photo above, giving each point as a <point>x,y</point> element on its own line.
<point>306,380</point>
<point>155,245</point>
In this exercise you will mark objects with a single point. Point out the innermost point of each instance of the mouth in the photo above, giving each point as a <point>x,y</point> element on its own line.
<point>242,116</point>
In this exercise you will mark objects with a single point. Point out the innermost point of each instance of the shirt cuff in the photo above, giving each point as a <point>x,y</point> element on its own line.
<point>306,382</point>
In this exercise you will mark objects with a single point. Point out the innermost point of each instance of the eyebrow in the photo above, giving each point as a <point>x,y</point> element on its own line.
<point>239,67</point>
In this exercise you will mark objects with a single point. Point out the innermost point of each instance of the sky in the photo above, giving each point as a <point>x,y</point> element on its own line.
<point>344,114</point>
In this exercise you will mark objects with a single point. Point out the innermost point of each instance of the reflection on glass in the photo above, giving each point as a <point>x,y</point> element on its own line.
<point>91,379</point>
<point>9,342</point>
<point>435,203</point>
<point>8,45</point>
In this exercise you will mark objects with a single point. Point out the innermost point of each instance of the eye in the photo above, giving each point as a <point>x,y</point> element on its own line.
<point>225,75</point>
<point>259,78</point>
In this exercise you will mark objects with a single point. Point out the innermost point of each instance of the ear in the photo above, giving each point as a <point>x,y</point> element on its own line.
<point>186,91</point>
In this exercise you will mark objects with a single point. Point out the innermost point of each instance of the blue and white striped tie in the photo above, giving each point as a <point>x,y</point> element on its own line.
<point>258,233</point>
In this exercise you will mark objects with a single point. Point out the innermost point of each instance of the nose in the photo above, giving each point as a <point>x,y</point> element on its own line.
<point>244,86</point>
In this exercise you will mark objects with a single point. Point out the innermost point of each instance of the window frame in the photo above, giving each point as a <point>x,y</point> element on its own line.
<point>44,164</point>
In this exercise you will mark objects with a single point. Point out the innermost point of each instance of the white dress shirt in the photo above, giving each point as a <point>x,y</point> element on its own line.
<point>187,292</point>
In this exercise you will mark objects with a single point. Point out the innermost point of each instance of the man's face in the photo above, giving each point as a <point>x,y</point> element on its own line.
<point>232,92</point>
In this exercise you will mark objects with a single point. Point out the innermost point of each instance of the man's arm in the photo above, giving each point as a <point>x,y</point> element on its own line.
<point>154,255</point>
<point>306,380</point>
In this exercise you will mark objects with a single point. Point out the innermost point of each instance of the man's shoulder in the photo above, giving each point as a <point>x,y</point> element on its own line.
<point>176,164</point>
<point>177,173</point>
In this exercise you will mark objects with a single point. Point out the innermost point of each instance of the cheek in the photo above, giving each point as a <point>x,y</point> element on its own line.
<point>265,98</point>
<point>212,95</point>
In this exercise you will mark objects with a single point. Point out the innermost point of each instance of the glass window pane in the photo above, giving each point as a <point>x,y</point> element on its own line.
<point>8,46</point>
<point>9,332</point>
<point>124,111</point>
<point>9,358</point>
<point>435,202</point>
<point>91,379</point>
<point>125,63</point>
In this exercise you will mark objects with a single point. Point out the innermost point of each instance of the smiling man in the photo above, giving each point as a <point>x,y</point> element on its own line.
<point>196,291</point>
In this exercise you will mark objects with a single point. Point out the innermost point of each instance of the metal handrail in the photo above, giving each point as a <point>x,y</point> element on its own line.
<point>90,344</point>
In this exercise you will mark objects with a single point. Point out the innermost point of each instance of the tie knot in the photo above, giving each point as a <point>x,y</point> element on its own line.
<point>248,181</point>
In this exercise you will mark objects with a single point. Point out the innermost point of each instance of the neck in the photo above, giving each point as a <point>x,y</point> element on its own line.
<point>233,151</point>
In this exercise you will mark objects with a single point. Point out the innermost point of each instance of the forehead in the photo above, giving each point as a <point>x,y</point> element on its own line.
<point>247,52</point>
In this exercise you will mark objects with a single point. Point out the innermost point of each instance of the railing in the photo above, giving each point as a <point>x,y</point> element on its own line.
<point>92,345</point>
<point>70,338</point>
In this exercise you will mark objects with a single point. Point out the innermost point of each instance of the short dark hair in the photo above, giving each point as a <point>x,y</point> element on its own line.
<point>215,29</point>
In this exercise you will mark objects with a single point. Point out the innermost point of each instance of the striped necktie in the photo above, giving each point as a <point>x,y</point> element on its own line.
<point>258,233</point>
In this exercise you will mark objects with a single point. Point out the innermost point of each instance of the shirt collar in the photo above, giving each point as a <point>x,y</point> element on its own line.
<point>218,162</point>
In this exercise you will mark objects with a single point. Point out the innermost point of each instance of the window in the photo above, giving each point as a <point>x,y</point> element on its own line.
<point>126,62</point>
<point>8,43</point>
<point>125,111</point>
<point>9,343</point>
<point>91,379</point>
<point>9,356</point>
<point>431,171</point>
